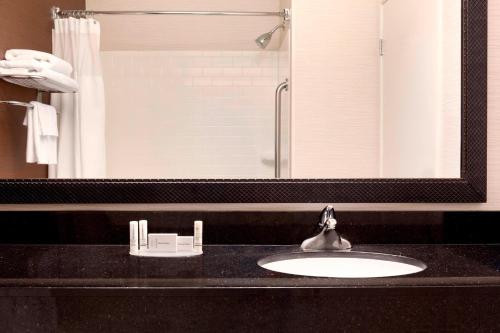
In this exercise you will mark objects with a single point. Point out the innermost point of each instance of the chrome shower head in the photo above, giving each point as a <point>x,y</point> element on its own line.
<point>264,39</point>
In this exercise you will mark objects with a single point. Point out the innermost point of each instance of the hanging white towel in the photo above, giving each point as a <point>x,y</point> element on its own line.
<point>41,144</point>
<point>53,81</point>
<point>56,64</point>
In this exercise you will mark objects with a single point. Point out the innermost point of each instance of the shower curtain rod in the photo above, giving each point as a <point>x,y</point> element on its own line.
<point>57,12</point>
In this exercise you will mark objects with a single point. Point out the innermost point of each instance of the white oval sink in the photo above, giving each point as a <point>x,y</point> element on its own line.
<point>342,264</point>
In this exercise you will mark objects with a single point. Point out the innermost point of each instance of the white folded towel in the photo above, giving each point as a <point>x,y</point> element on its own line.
<point>32,64</point>
<point>41,145</point>
<point>53,81</point>
<point>56,64</point>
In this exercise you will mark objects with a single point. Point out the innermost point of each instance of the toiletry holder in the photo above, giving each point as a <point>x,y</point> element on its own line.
<point>146,253</point>
<point>143,244</point>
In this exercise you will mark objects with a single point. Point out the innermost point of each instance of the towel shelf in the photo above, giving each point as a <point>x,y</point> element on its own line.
<point>16,103</point>
<point>30,81</point>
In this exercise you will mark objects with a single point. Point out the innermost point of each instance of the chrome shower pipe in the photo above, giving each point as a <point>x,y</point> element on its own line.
<point>277,128</point>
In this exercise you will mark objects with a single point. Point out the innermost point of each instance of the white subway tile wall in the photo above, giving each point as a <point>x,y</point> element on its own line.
<point>190,114</point>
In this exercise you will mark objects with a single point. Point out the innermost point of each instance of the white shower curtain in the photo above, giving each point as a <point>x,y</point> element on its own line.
<point>82,151</point>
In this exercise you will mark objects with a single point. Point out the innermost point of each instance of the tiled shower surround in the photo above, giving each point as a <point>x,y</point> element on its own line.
<point>190,114</point>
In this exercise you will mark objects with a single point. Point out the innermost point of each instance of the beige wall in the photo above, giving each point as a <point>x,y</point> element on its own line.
<point>450,120</point>
<point>421,87</point>
<point>493,158</point>
<point>185,32</point>
<point>410,64</point>
<point>335,97</point>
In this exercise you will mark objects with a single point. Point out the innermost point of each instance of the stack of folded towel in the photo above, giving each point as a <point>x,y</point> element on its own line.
<point>55,71</point>
<point>41,146</point>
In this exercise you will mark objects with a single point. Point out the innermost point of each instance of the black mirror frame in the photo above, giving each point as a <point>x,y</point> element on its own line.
<point>471,187</point>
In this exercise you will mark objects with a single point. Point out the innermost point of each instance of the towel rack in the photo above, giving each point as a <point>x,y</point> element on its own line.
<point>23,104</point>
<point>29,81</point>
<point>16,103</point>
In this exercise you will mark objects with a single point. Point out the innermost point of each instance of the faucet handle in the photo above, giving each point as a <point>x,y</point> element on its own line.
<point>328,218</point>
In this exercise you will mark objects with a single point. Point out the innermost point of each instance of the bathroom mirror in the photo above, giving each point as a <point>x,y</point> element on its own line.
<point>272,101</point>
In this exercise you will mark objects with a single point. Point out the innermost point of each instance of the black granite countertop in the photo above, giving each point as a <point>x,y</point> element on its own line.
<point>86,266</point>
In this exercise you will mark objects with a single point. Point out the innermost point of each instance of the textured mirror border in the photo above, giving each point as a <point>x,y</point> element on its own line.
<point>471,187</point>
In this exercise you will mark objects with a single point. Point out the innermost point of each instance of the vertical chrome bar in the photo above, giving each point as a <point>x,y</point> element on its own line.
<point>277,128</point>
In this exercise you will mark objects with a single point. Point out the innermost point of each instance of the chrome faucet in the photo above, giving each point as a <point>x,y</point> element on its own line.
<point>328,239</point>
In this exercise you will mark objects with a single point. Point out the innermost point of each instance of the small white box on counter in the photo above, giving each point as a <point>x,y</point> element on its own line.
<point>185,243</point>
<point>162,242</point>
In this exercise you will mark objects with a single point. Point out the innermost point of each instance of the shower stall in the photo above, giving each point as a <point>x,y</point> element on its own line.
<point>194,94</point>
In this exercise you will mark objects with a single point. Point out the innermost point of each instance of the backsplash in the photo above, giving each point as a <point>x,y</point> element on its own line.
<point>250,227</point>
<point>203,125</point>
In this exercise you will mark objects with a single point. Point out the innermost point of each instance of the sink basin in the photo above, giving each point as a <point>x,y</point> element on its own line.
<point>342,264</point>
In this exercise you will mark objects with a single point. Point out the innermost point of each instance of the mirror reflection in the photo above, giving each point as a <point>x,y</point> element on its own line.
<point>247,89</point>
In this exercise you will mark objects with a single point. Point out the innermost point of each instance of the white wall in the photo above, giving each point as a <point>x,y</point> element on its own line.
<point>335,98</point>
<point>189,114</point>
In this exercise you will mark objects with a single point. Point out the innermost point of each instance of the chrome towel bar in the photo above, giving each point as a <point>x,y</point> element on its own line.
<point>16,103</point>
